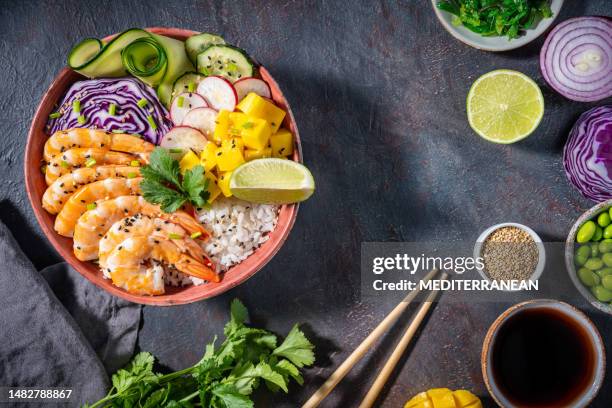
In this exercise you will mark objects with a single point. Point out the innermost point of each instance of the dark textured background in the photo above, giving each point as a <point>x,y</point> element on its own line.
<point>378,91</point>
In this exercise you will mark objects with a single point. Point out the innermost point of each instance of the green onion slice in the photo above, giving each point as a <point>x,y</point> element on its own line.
<point>90,162</point>
<point>81,119</point>
<point>112,109</point>
<point>91,206</point>
<point>55,115</point>
<point>195,235</point>
<point>142,103</point>
<point>76,106</point>
<point>135,163</point>
<point>175,236</point>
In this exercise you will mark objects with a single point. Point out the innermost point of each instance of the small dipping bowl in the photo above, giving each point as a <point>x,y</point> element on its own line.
<point>571,313</point>
<point>541,251</point>
<point>570,247</point>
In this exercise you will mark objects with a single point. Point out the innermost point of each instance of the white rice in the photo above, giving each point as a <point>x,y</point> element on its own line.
<point>237,229</point>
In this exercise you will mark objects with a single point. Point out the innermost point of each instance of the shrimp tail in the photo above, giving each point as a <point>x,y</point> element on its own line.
<point>192,267</point>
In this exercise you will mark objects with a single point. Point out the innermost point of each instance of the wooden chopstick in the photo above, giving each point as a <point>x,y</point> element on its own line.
<point>363,348</point>
<point>389,366</point>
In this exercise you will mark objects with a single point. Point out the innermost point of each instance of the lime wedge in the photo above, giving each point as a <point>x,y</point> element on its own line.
<point>272,181</point>
<point>504,106</point>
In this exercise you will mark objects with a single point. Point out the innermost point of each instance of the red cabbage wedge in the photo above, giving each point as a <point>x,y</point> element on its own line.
<point>587,156</point>
<point>576,59</point>
<point>112,104</point>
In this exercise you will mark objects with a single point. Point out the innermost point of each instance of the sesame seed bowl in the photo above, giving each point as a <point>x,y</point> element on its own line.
<point>490,233</point>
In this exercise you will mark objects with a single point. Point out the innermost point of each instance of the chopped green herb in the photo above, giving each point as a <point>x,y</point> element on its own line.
<point>151,122</point>
<point>180,101</point>
<point>112,109</point>
<point>76,106</point>
<point>176,150</point>
<point>225,377</point>
<point>248,125</point>
<point>131,175</point>
<point>55,115</point>
<point>81,119</point>
<point>191,87</point>
<point>508,18</point>
<point>64,164</point>
<point>164,185</point>
<point>175,236</point>
<point>90,162</point>
<point>196,235</point>
<point>142,103</point>
<point>117,131</point>
<point>135,163</point>
<point>91,206</point>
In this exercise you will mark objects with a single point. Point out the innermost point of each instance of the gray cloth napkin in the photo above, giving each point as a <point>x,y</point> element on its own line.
<point>59,330</point>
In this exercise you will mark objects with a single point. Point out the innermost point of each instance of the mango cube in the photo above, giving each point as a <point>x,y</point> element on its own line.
<point>222,126</point>
<point>256,106</point>
<point>224,181</point>
<point>229,156</point>
<point>213,187</point>
<point>189,161</point>
<point>254,132</point>
<point>282,143</point>
<point>236,142</point>
<point>208,157</point>
<point>257,154</point>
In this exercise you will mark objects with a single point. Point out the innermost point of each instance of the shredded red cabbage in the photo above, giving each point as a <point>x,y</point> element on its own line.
<point>96,96</point>
<point>587,156</point>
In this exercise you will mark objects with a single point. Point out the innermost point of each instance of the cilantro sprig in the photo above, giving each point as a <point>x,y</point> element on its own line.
<point>225,377</point>
<point>497,17</point>
<point>163,183</point>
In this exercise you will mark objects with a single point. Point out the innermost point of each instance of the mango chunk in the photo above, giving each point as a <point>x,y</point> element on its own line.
<point>234,142</point>
<point>444,398</point>
<point>254,132</point>
<point>257,107</point>
<point>189,161</point>
<point>257,154</point>
<point>223,182</point>
<point>222,126</point>
<point>208,157</point>
<point>213,187</point>
<point>282,143</point>
<point>229,156</point>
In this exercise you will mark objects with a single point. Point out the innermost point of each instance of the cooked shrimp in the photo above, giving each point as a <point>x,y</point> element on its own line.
<point>61,189</point>
<point>82,157</point>
<point>131,265</point>
<point>93,224</point>
<point>89,194</point>
<point>64,140</point>
<point>155,228</point>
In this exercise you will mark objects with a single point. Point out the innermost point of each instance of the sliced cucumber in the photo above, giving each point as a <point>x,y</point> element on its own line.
<point>226,61</point>
<point>199,42</point>
<point>188,82</point>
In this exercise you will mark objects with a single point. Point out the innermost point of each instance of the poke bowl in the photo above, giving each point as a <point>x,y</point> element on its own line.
<point>270,238</point>
<point>589,278</point>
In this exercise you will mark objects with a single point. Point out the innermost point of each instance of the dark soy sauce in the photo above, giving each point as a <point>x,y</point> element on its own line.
<point>542,358</point>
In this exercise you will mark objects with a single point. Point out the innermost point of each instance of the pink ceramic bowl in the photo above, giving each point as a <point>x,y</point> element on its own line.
<point>35,185</point>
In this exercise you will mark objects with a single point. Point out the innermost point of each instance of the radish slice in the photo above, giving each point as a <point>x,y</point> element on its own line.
<point>219,92</point>
<point>184,138</point>
<point>202,119</point>
<point>189,101</point>
<point>246,85</point>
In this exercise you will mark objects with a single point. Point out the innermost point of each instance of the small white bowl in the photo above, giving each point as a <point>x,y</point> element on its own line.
<point>495,43</point>
<point>541,251</point>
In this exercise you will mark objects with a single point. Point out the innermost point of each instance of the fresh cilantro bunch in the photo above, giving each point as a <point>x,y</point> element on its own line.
<point>163,184</point>
<point>497,17</point>
<point>225,377</point>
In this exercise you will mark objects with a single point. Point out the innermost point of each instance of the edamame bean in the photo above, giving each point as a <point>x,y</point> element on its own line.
<point>603,219</point>
<point>586,232</point>
<point>607,232</point>
<point>602,294</point>
<point>584,250</point>
<point>605,246</point>
<point>607,259</point>
<point>580,260</point>
<point>594,249</point>
<point>588,278</point>
<point>604,272</point>
<point>594,264</point>
<point>607,282</point>
<point>598,234</point>
<point>610,212</point>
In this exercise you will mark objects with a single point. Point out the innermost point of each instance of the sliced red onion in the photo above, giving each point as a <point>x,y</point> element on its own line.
<point>587,156</point>
<point>576,59</point>
<point>149,120</point>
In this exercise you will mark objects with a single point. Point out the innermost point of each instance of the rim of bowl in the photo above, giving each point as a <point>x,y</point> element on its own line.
<point>571,311</point>
<point>485,43</point>
<point>539,269</point>
<point>236,275</point>
<point>569,255</point>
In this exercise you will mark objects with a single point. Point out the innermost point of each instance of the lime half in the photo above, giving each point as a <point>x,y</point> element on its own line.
<point>504,106</point>
<point>272,181</point>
